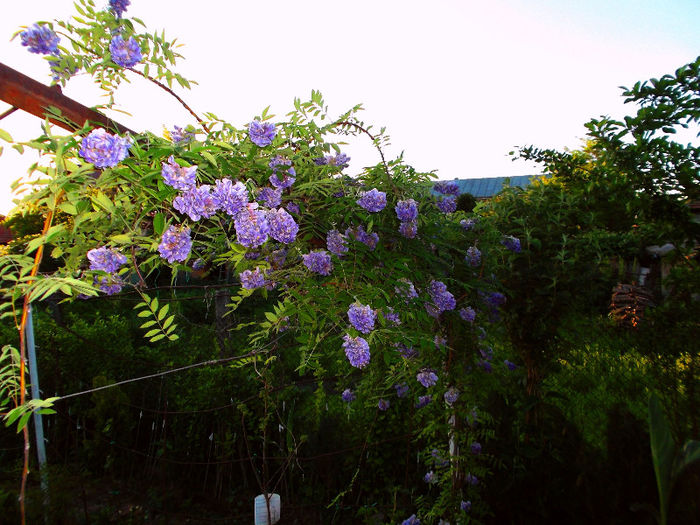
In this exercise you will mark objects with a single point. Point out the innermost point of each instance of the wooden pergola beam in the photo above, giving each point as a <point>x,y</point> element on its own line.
<point>25,93</point>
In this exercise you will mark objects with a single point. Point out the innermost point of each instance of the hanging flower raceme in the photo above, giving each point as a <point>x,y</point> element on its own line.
<point>40,39</point>
<point>105,259</point>
<point>261,133</point>
<point>197,202</point>
<point>230,197</point>
<point>447,204</point>
<point>251,226</point>
<point>446,188</point>
<point>511,243</point>
<point>451,396</point>
<point>383,404</point>
<point>336,243</point>
<point>125,53</point>
<point>407,210</point>
<point>442,299</point>
<point>283,228</point>
<point>362,317</point>
<point>473,257</point>
<point>252,279</point>
<point>468,314</point>
<point>427,377</point>
<point>373,201</point>
<point>408,229</point>
<point>175,245</point>
<point>348,395</point>
<point>356,350</point>
<point>270,197</point>
<point>318,262</point>
<point>179,177</point>
<point>118,7</point>
<point>103,149</point>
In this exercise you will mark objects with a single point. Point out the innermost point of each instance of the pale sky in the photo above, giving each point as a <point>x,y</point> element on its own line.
<point>458,84</point>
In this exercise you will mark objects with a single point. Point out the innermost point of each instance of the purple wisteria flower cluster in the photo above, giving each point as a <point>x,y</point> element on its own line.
<point>103,149</point>
<point>373,200</point>
<point>109,261</point>
<point>451,396</point>
<point>318,262</point>
<point>197,202</point>
<point>252,279</point>
<point>362,317</point>
<point>406,289</point>
<point>446,188</point>
<point>270,197</point>
<point>179,177</point>
<point>232,198</point>
<point>383,404</point>
<point>283,228</point>
<point>105,259</point>
<point>427,377</point>
<point>467,224</point>
<point>368,239</point>
<point>336,243</point>
<point>118,7</point>
<point>466,506</point>
<point>180,137</point>
<point>511,366</point>
<point>411,520</point>
<point>511,243</point>
<point>125,53</point>
<point>424,401</point>
<point>430,477</point>
<point>175,244</point>
<point>392,316</point>
<point>407,212</point>
<point>468,314</point>
<point>447,204</point>
<point>251,226</point>
<point>475,448</point>
<point>356,350</point>
<point>402,390</point>
<point>261,133</point>
<point>442,299</point>
<point>278,163</point>
<point>40,39</point>
<point>340,161</point>
<point>348,395</point>
<point>473,257</point>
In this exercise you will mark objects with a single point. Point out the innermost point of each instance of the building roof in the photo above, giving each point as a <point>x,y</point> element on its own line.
<point>486,187</point>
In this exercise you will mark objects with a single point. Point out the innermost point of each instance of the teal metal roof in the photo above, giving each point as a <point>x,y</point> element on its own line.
<point>489,186</point>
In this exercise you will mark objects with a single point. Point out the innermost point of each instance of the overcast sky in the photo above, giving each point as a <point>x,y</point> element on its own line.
<point>458,84</point>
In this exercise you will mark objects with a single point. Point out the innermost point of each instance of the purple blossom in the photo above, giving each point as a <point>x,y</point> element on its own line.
<point>179,136</point>
<point>368,239</point>
<point>466,506</point>
<point>196,202</point>
<point>356,350</point>
<point>411,520</point>
<point>292,208</point>
<point>401,390</point>
<point>407,352</point>
<point>348,395</point>
<point>391,316</point>
<point>468,314</point>
<point>318,262</point>
<point>283,228</point>
<point>473,257</point>
<point>341,160</point>
<point>103,149</point>
<point>321,161</point>
<point>105,259</point>
<point>198,264</point>
<point>511,243</point>
<point>432,310</point>
<point>439,340</point>
<point>373,200</point>
<point>230,197</point>
<point>282,184</point>
<point>40,39</point>
<point>251,226</point>
<point>252,279</point>
<point>471,479</point>
<point>476,448</point>
<point>125,54</point>
<point>383,404</point>
<point>430,477</point>
<point>118,7</point>
<point>511,366</point>
<point>446,188</point>
<point>408,229</point>
<point>427,377</point>
<point>179,177</point>
<point>451,395</point>
<point>486,353</point>
<point>362,317</point>
<point>407,210</point>
<point>175,244</point>
<point>493,299</point>
<point>442,299</point>
<point>270,197</point>
<point>423,401</point>
<point>467,224</point>
<point>336,243</point>
<point>406,289</point>
<point>447,204</point>
<point>110,284</point>
<point>261,133</point>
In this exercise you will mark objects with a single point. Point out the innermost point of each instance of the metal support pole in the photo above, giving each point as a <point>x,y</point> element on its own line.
<point>34,380</point>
